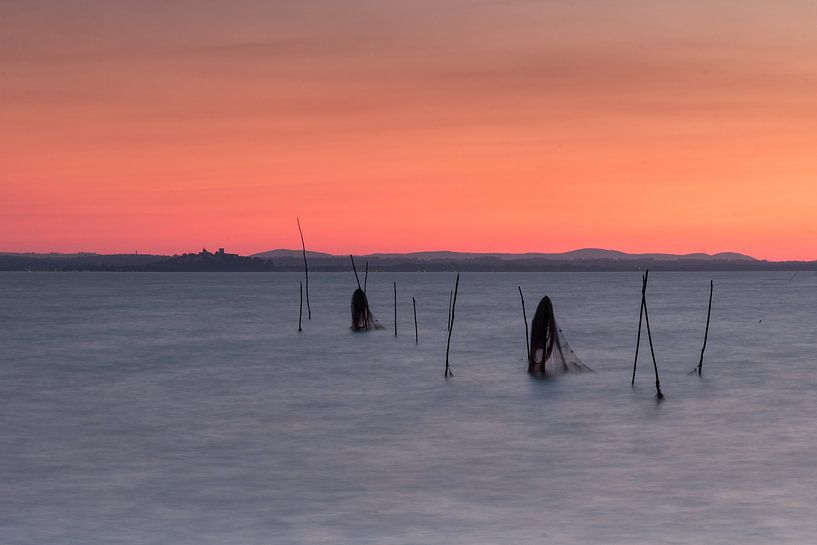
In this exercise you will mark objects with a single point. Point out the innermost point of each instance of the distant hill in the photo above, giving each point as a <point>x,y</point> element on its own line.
<point>585,259</point>
<point>583,253</point>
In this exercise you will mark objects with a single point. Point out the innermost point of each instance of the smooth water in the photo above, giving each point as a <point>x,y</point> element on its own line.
<point>187,409</point>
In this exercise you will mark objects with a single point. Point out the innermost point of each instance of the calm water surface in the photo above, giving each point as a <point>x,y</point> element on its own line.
<point>187,409</point>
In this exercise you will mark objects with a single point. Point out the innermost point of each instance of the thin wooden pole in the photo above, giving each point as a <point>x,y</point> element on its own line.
<point>658,393</point>
<point>366,277</point>
<point>525,317</point>
<point>395,309</point>
<point>301,309</point>
<point>640,319</point>
<point>451,327</point>
<point>416,334</point>
<point>355,271</point>
<point>306,269</point>
<point>706,333</point>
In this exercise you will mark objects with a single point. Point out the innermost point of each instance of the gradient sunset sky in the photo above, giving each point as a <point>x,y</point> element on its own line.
<point>470,125</point>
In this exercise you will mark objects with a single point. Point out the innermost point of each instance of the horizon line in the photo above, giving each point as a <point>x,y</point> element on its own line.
<point>382,252</point>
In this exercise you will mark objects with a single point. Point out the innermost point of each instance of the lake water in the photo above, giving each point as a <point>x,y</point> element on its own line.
<point>187,409</point>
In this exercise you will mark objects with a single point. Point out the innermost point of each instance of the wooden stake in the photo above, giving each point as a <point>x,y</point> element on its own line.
<point>658,393</point>
<point>306,270</point>
<point>706,333</point>
<point>451,327</point>
<point>416,334</point>
<point>301,309</point>
<point>525,317</point>
<point>640,319</point>
<point>395,309</point>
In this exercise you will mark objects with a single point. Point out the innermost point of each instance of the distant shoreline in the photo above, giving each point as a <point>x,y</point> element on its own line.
<point>289,261</point>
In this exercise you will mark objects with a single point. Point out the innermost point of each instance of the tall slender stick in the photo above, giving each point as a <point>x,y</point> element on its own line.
<point>640,319</point>
<point>301,309</point>
<point>416,334</point>
<point>306,270</point>
<point>706,333</point>
<point>525,317</point>
<point>451,327</point>
<point>395,309</point>
<point>366,277</point>
<point>658,393</point>
<point>355,271</point>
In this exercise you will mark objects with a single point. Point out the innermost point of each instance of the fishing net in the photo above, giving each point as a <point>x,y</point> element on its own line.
<point>550,353</point>
<point>362,317</point>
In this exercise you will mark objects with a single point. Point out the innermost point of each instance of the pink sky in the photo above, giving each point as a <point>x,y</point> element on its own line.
<point>398,126</point>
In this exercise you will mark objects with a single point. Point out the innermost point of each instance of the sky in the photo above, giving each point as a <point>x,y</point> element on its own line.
<point>469,125</point>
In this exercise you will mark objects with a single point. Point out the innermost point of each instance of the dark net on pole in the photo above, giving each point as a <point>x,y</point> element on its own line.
<point>550,353</point>
<point>362,317</point>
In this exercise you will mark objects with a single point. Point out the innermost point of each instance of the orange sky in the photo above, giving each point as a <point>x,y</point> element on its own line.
<point>471,125</point>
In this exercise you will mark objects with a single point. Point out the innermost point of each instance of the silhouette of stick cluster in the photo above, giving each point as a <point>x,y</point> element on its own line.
<point>545,341</point>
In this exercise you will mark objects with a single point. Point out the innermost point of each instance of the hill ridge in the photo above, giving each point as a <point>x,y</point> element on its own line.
<point>577,254</point>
